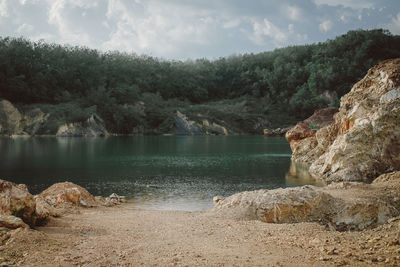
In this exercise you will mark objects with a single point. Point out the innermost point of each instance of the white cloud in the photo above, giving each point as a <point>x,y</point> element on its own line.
<point>3,9</point>
<point>67,33</point>
<point>43,36</point>
<point>394,26</point>
<point>25,28</point>
<point>146,28</point>
<point>291,28</point>
<point>293,13</point>
<point>325,26</point>
<point>355,4</point>
<point>178,29</point>
<point>233,23</point>
<point>267,29</point>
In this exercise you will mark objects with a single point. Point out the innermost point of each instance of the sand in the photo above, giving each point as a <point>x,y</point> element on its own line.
<point>125,236</point>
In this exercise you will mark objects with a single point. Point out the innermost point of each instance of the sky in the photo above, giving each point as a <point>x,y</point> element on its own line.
<point>190,29</point>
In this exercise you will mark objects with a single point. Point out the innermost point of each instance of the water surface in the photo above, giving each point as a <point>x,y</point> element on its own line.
<point>154,172</point>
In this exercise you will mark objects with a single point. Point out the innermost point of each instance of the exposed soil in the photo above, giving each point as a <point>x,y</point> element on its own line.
<point>123,236</point>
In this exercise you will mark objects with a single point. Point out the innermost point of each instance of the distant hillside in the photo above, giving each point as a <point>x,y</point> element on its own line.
<point>141,94</point>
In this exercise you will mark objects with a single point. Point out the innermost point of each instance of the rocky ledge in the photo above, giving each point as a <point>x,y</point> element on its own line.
<point>339,206</point>
<point>19,208</point>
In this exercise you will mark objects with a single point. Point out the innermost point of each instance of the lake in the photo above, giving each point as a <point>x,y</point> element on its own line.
<point>154,172</point>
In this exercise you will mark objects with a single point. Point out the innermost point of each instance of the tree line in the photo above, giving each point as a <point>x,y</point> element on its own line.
<point>288,82</point>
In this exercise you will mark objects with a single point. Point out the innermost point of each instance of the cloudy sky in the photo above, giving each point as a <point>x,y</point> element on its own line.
<point>181,29</point>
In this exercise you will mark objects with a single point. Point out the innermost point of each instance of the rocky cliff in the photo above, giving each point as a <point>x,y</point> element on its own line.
<point>93,126</point>
<point>33,121</point>
<point>10,118</point>
<point>185,126</point>
<point>363,141</point>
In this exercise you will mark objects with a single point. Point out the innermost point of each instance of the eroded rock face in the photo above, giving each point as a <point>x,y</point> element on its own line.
<point>339,206</point>
<point>17,201</point>
<point>184,126</point>
<point>309,127</point>
<point>92,127</point>
<point>364,139</point>
<point>10,118</point>
<point>33,120</point>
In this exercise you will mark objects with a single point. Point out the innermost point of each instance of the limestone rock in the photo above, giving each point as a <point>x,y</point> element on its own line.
<point>184,126</point>
<point>11,222</point>
<point>44,210</point>
<point>33,120</point>
<point>321,118</point>
<point>114,199</point>
<point>16,200</point>
<point>340,206</point>
<point>287,205</point>
<point>277,131</point>
<point>215,128</point>
<point>363,141</point>
<point>10,118</point>
<point>67,193</point>
<point>309,126</point>
<point>93,126</point>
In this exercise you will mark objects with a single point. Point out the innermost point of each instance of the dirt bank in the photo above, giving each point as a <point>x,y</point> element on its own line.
<point>123,236</point>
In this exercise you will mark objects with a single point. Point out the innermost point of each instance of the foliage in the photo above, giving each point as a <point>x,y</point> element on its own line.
<point>283,85</point>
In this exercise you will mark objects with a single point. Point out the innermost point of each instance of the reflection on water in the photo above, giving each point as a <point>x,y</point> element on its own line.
<point>154,172</point>
<point>298,174</point>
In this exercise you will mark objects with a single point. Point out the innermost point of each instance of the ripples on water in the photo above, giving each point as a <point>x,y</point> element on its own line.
<point>154,172</point>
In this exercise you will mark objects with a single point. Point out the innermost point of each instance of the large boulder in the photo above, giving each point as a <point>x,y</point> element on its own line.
<point>15,200</point>
<point>363,141</point>
<point>92,127</point>
<point>66,193</point>
<point>10,118</point>
<point>287,205</point>
<point>339,206</point>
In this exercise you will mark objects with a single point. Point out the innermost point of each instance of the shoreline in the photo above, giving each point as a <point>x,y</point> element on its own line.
<point>83,230</point>
<point>119,236</point>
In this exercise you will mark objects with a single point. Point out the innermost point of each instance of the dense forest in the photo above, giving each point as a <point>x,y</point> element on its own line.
<point>141,94</point>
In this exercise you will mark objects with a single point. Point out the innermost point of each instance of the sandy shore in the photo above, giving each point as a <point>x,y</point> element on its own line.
<point>123,236</point>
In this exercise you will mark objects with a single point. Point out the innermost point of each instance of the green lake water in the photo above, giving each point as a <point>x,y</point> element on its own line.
<point>154,172</point>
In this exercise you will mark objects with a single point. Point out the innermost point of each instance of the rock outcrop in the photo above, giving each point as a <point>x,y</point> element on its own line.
<point>33,120</point>
<point>363,141</point>
<point>277,131</point>
<point>18,208</point>
<point>213,128</point>
<point>342,206</point>
<point>15,200</point>
<point>93,126</point>
<point>309,127</point>
<point>184,126</point>
<point>10,118</point>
